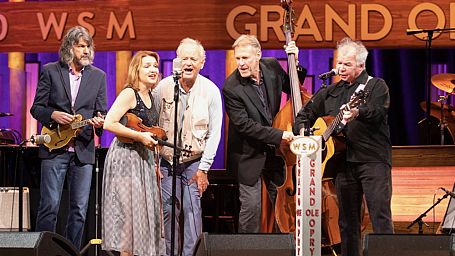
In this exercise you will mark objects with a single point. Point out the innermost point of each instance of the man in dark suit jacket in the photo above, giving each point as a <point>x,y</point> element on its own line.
<point>252,96</point>
<point>68,87</point>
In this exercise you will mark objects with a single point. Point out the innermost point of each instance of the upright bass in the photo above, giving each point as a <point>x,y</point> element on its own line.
<point>284,120</point>
<point>285,205</point>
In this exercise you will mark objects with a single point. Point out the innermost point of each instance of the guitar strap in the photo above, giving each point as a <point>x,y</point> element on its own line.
<point>362,86</point>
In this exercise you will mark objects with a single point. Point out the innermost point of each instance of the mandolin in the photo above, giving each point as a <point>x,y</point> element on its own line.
<point>64,133</point>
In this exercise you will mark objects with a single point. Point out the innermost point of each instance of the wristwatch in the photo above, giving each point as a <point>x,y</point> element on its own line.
<point>205,171</point>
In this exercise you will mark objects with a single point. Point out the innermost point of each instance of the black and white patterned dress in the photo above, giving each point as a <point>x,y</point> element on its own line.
<point>131,201</point>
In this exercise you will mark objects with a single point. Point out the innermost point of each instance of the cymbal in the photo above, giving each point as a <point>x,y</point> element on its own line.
<point>2,114</point>
<point>445,82</point>
<point>435,110</point>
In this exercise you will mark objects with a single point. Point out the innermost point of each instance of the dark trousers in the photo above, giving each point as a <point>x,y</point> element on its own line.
<point>250,196</point>
<point>375,182</point>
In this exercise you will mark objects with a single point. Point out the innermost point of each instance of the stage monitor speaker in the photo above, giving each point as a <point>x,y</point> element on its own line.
<point>245,245</point>
<point>452,253</point>
<point>448,223</point>
<point>35,244</point>
<point>407,245</point>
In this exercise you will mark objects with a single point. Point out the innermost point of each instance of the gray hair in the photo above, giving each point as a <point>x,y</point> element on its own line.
<point>244,40</point>
<point>347,46</point>
<point>190,41</point>
<point>71,38</point>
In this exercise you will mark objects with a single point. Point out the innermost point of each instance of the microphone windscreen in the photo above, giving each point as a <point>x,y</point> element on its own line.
<point>177,65</point>
<point>41,139</point>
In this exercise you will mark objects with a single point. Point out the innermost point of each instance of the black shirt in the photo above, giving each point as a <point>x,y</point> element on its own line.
<point>150,115</point>
<point>368,136</point>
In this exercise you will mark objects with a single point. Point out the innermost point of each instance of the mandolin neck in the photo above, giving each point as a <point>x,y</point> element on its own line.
<point>79,124</point>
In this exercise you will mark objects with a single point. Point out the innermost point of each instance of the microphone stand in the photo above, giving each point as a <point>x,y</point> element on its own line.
<point>96,241</point>
<point>419,219</point>
<point>429,33</point>
<point>428,88</point>
<point>174,160</point>
<point>308,130</point>
<point>19,159</point>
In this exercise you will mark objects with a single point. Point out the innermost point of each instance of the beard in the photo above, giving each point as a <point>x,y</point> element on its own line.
<point>82,61</point>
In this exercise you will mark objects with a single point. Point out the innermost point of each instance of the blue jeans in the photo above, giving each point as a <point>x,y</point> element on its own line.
<point>53,172</point>
<point>191,206</point>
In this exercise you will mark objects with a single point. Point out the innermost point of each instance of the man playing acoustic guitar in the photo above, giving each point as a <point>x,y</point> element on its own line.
<point>68,87</point>
<point>366,168</point>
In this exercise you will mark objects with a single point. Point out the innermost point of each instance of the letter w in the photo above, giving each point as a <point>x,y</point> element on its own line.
<point>52,21</point>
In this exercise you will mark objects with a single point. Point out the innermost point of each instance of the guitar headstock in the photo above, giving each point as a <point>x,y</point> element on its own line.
<point>357,98</point>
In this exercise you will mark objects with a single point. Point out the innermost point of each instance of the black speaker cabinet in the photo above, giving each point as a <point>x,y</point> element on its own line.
<point>35,244</point>
<point>407,245</point>
<point>452,252</point>
<point>245,245</point>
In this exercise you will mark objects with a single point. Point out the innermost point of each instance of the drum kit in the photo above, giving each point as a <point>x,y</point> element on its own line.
<point>440,109</point>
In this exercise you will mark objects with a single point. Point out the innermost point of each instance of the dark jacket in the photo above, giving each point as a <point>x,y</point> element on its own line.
<point>250,135</point>
<point>53,93</point>
<point>368,136</point>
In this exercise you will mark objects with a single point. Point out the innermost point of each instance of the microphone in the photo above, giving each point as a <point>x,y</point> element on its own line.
<point>2,114</point>
<point>176,68</point>
<point>326,75</point>
<point>40,139</point>
<point>413,31</point>
<point>450,193</point>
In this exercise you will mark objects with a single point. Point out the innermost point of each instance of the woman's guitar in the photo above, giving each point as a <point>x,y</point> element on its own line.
<point>326,125</point>
<point>63,134</point>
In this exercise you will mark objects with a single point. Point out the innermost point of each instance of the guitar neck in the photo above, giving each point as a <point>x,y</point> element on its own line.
<point>328,132</point>
<point>356,99</point>
<point>80,124</point>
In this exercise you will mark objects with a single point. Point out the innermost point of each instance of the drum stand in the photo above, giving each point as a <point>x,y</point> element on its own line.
<point>442,122</point>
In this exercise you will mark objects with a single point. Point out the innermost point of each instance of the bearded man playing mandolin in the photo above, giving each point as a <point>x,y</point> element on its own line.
<point>68,90</point>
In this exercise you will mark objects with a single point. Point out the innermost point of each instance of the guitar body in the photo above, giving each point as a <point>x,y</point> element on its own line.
<point>334,147</point>
<point>329,149</point>
<point>62,135</point>
<point>333,159</point>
